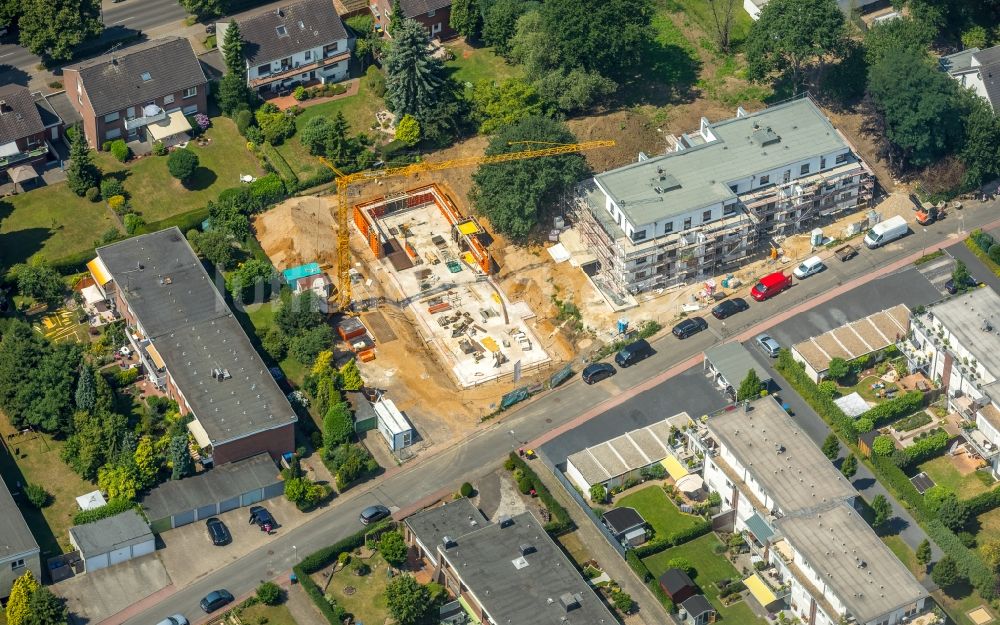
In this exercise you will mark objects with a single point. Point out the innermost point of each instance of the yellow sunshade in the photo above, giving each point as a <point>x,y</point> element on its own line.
<point>174,124</point>
<point>469,258</point>
<point>469,227</point>
<point>155,357</point>
<point>674,467</point>
<point>97,269</point>
<point>200,435</point>
<point>490,344</point>
<point>759,590</point>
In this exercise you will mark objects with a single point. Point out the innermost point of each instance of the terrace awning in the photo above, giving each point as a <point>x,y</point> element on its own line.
<point>759,528</point>
<point>97,269</point>
<point>674,468</point>
<point>759,590</point>
<point>154,355</point>
<point>174,124</point>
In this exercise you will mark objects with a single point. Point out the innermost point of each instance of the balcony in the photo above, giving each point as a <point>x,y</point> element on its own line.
<point>24,156</point>
<point>288,72</point>
<point>138,122</point>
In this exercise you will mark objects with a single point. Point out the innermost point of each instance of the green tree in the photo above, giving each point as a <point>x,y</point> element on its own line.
<point>990,552</point>
<point>147,462</point>
<point>517,194</point>
<point>275,343</point>
<point>119,482</point>
<point>837,369</point>
<point>750,387</point>
<point>681,563</point>
<point>790,34</point>
<point>305,347</point>
<point>849,467</point>
<point>275,125</point>
<point>953,513</point>
<point>86,393</point>
<point>881,511</point>
<point>500,23</point>
<point>396,19</point>
<point>180,457</point>
<point>883,445</point>
<point>598,494</point>
<point>393,548</point>
<point>945,572</point>
<point>182,163</point>
<point>623,601</point>
<point>269,593</point>
<point>350,376</point>
<point>975,37</point>
<point>496,106</point>
<point>46,608</point>
<point>81,173</point>
<point>960,275</point>
<point>232,50</point>
<point>205,8</point>
<point>255,277</point>
<point>924,552</point>
<point>831,446</point>
<point>53,28</point>
<point>216,247</point>
<point>408,602</point>
<point>338,425</point>
<point>413,78</point>
<point>18,603</point>
<point>723,18</point>
<point>981,147</point>
<point>465,18</point>
<point>94,440</point>
<point>39,281</point>
<point>298,313</point>
<point>900,34</point>
<point>574,91</point>
<point>408,130</point>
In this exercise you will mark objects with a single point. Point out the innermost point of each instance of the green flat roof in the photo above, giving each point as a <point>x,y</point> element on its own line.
<point>798,130</point>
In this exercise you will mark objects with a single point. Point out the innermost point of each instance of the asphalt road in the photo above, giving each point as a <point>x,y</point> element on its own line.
<point>478,454</point>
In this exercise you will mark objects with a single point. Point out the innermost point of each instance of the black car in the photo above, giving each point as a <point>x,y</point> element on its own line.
<point>215,600</point>
<point>218,532</point>
<point>970,283</point>
<point>596,372</point>
<point>730,307</point>
<point>373,513</point>
<point>260,516</point>
<point>689,326</point>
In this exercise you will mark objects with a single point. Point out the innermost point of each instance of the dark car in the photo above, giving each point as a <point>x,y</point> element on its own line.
<point>218,532</point>
<point>215,600</point>
<point>730,307</point>
<point>260,516</point>
<point>689,326</point>
<point>633,353</point>
<point>596,372</point>
<point>970,283</point>
<point>373,513</point>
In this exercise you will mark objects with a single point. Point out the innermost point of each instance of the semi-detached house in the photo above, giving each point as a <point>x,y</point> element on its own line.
<point>299,43</point>
<point>141,93</point>
<point>435,15</point>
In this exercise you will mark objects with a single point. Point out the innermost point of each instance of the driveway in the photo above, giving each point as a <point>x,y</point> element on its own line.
<point>93,597</point>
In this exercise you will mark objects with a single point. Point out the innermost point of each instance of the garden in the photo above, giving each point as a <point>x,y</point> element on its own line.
<point>660,512</point>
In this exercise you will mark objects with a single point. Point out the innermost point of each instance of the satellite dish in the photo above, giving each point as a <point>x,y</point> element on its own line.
<point>149,110</point>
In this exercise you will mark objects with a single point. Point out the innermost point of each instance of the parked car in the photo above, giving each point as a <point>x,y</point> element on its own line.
<point>770,285</point>
<point>886,231</point>
<point>260,516</point>
<point>374,513</point>
<point>729,307</point>
<point>597,371</point>
<point>808,267</point>
<point>952,288</point>
<point>768,345</point>
<point>218,532</point>
<point>633,353</point>
<point>215,600</point>
<point>176,619</point>
<point>689,326</point>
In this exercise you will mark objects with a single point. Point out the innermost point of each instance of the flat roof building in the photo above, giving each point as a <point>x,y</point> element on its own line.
<point>440,525</point>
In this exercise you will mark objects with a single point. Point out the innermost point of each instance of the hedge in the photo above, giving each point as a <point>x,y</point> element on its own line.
<point>926,448</point>
<point>821,402</point>
<point>279,163</point>
<point>662,544</point>
<point>646,577</point>
<point>983,502</point>
<point>898,407</point>
<point>561,521</point>
<point>113,507</point>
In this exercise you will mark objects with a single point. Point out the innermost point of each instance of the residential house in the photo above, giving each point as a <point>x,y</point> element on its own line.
<point>28,124</point>
<point>506,572</point>
<point>295,44</point>
<point>435,15</point>
<point>956,342</point>
<point>978,70</point>
<point>193,348</point>
<point>720,195</point>
<point>18,550</point>
<point>112,540</point>
<point>141,93</point>
<point>823,562</point>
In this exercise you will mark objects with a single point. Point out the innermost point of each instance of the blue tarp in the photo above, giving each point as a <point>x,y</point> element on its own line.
<point>302,271</point>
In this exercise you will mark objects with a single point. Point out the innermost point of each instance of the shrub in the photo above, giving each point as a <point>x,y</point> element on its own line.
<point>393,548</point>
<point>883,445</point>
<point>598,494</point>
<point>361,569</point>
<point>300,93</point>
<point>93,194</point>
<point>466,490</point>
<point>111,187</point>
<point>994,253</point>
<point>117,203</point>
<point>244,120</point>
<point>255,136</point>
<point>269,593</point>
<point>268,189</point>
<point>561,520</point>
<point>890,410</point>
<point>982,240</point>
<point>375,80</point>
<point>182,163</point>
<point>120,150</point>
<point>837,369</point>
<point>132,223</point>
<point>344,559</point>
<point>113,507</point>
<point>159,149</point>
<point>124,377</point>
<point>37,495</point>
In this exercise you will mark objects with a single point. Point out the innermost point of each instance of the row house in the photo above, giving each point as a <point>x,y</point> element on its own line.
<point>141,94</point>
<point>28,125</point>
<point>435,15</point>
<point>296,44</point>
<point>823,563</point>
<point>718,196</point>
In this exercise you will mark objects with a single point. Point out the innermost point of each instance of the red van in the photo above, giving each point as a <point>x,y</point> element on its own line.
<point>770,285</point>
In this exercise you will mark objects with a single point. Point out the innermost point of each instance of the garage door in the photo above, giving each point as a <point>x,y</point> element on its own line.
<point>206,511</point>
<point>229,504</point>
<point>143,548</point>
<point>97,562</point>
<point>184,518</point>
<point>274,490</point>
<point>252,497</point>
<point>118,556</point>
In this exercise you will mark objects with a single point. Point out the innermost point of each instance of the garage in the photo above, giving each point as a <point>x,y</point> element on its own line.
<point>113,540</point>
<point>217,490</point>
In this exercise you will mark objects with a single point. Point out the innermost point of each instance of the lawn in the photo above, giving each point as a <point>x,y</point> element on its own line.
<point>944,473</point>
<point>864,388</point>
<point>261,317</point>
<point>269,614</point>
<point>472,65</point>
<point>661,513</point>
<point>367,601</point>
<point>709,568</point>
<point>989,526</point>
<point>906,555</point>
<point>701,13</point>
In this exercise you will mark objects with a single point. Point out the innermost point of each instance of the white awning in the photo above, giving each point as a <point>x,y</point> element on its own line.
<point>91,500</point>
<point>9,149</point>
<point>174,124</point>
<point>92,295</point>
<point>200,435</point>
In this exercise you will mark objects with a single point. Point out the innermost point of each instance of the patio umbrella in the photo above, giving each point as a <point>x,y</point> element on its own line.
<point>22,173</point>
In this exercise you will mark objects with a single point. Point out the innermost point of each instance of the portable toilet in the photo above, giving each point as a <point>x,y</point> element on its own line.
<point>816,237</point>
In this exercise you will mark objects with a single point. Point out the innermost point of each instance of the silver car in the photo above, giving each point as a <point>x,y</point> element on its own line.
<point>769,345</point>
<point>176,619</point>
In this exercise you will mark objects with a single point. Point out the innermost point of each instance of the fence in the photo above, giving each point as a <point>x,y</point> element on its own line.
<point>578,500</point>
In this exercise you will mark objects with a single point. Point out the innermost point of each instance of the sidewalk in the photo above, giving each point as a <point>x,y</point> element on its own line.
<point>651,611</point>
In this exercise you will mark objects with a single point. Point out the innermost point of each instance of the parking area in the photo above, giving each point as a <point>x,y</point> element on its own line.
<point>97,595</point>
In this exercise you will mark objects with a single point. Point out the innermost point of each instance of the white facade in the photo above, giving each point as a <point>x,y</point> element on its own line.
<point>310,60</point>
<point>395,429</point>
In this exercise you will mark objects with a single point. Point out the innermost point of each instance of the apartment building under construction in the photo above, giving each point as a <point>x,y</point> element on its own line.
<point>720,195</point>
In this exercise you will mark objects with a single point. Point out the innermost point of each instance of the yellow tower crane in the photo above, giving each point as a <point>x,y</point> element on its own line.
<point>344,181</point>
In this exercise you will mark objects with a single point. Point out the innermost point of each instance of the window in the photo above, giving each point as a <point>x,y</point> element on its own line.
<point>734,188</point>
<point>17,564</point>
<point>764,180</point>
<point>641,274</point>
<point>145,76</point>
<point>668,227</point>
<point>841,158</point>
<point>431,13</point>
<point>190,92</point>
<point>191,109</point>
<point>804,169</point>
<point>111,117</point>
<point>309,55</point>
<point>114,133</point>
<point>282,31</point>
<point>706,217</point>
<point>130,113</point>
<point>728,210</point>
<point>263,70</point>
<point>687,223</point>
<point>638,235</point>
<point>822,162</point>
<point>788,175</point>
<point>641,261</point>
<point>168,99</point>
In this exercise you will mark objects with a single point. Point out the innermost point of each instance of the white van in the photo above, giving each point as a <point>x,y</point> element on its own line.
<point>886,232</point>
<point>808,267</point>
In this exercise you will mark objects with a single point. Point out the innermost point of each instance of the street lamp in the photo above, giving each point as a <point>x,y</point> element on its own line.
<point>512,439</point>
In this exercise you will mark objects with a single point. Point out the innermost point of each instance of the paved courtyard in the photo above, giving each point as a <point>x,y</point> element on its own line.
<point>101,594</point>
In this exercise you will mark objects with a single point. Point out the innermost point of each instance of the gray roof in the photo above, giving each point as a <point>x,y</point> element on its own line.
<point>852,561</point>
<point>194,331</point>
<point>733,361</point>
<point>697,605</point>
<point>306,24</point>
<point>630,451</point>
<point>798,478</point>
<point>516,587</point>
<point>620,520</point>
<point>46,110</point>
<point>115,81</point>
<point>16,540</point>
<point>19,116</point>
<point>453,519</point>
<point>675,580</point>
<point>414,8</point>
<point>987,56</point>
<point>702,173</point>
<point>115,532</point>
<point>957,62</point>
<point>218,484</point>
<point>361,407</point>
<point>966,317</point>
<point>63,108</point>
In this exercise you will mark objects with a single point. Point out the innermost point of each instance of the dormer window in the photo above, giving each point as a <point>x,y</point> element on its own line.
<point>282,31</point>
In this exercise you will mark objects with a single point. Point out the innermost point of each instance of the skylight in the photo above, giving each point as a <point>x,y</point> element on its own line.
<point>145,76</point>
<point>282,31</point>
